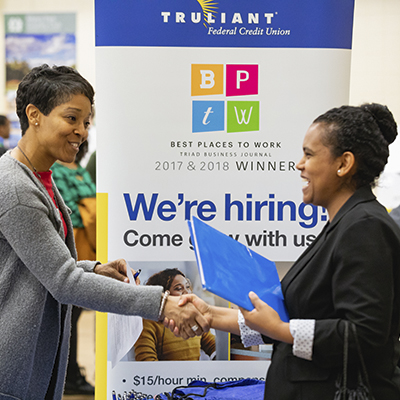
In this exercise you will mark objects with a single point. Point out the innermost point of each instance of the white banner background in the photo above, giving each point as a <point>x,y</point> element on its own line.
<point>145,106</point>
<point>146,147</point>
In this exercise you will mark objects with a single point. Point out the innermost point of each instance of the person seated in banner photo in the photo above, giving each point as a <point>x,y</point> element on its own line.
<point>158,343</point>
<point>349,275</point>
<point>40,276</point>
<point>4,132</point>
<point>79,193</point>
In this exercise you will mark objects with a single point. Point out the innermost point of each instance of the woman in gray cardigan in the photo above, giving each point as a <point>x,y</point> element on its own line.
<point>39,275</point>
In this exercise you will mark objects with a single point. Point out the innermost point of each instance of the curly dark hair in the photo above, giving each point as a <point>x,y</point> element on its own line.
<point>164,278</point>
<point>48,87</point>
<point>366,131</point>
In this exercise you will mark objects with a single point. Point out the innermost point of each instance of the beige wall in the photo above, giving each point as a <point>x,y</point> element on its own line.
<point>375,75</point>
<point>375,71</point>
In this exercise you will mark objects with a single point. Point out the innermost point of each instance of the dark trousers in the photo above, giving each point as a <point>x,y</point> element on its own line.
<point>73,367</point>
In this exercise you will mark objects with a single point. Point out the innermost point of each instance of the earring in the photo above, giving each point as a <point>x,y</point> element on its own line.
<point>338,171</point>
<point>36,124</point>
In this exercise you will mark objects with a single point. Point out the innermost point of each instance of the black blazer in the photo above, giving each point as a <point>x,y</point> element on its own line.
<point>350,272</point>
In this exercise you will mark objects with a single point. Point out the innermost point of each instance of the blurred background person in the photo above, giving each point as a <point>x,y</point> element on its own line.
<point>91,166</point>
<point>79,193</point>
<point>4,132</point>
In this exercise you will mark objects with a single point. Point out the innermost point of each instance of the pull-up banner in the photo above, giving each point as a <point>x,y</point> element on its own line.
<point>201,110</point>
<point>202,23</point>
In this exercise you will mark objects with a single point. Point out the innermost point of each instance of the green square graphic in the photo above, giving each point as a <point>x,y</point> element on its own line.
<point>243,116</point>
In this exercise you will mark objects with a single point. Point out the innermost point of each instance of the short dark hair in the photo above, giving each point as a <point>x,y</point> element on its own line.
<point>164,278</point>
<point>366,131</point>
<point>48,87</point>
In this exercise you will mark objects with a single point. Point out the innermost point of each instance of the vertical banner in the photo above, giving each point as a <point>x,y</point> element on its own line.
<point>201,111</point>
<point>32,40</point>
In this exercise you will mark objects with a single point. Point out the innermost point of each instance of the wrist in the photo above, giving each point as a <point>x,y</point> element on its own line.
<point>210,312</point>
<point>164,299</point>
<point>283,333</point>
<point>95,267</point>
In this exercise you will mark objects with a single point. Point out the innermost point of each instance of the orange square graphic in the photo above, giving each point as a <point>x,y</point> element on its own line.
<point>207,79</point>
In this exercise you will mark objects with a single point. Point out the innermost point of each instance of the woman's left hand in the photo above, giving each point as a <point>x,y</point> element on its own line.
<point>266,320</point>
<point>116,269</point>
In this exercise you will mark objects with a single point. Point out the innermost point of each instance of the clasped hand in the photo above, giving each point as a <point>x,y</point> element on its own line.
<point>188,315</point>
<point>188,320</point>
<point>263,318</point>
<point>185,319</point>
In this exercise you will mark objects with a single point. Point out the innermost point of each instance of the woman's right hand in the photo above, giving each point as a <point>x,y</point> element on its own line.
<point>220,318</point>
<point>185,318</point>
<point>199,304</point>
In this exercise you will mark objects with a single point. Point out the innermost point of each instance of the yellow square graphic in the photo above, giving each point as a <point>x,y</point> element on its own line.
<point>207,79</point>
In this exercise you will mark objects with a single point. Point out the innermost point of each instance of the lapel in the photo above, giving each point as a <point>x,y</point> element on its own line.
<point>364,194</point>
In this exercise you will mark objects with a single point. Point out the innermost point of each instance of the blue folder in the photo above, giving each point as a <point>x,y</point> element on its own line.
<point>231,270</point>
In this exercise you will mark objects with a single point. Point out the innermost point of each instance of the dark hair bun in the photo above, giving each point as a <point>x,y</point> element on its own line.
<point>384,118</point>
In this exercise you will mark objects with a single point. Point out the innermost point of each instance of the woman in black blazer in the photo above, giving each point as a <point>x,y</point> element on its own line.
<point>350,272</point>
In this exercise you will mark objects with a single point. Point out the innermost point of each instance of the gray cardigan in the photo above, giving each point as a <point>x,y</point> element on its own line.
<point>39,275</point>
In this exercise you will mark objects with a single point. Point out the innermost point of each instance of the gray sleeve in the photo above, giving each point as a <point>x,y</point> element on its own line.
<point>49,260</point>
<point>86,265</point>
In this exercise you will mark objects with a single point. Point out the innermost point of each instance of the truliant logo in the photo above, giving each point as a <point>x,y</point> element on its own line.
<point>217,82</point>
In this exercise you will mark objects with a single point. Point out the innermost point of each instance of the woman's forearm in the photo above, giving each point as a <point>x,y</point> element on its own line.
<point>225,319</point>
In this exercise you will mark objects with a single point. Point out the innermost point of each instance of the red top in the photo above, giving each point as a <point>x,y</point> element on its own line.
<point>45,178</point>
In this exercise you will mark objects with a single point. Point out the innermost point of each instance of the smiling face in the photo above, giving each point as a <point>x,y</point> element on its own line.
<point>180,285</point>
<point>60,133</point>
<point>319,170</point>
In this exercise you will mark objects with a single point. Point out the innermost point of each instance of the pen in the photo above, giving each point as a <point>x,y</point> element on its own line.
<point>137,274</point>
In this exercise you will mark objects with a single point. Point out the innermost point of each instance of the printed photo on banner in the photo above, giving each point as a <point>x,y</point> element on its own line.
<point>157,343</point>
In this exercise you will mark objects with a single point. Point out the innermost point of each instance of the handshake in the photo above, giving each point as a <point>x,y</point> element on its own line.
<point>187,315</point>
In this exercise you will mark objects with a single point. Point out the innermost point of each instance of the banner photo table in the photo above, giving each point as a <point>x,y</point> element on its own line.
<point>201,110</point>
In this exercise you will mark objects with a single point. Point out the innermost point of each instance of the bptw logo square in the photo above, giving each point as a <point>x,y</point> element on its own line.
<point>208,116</point>
<point>241,80</point>
<point>243,116</point>
<point>213,80</point>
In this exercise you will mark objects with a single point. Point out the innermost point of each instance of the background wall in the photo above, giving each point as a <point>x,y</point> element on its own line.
<point>84,10</point>
<point>375,73</point>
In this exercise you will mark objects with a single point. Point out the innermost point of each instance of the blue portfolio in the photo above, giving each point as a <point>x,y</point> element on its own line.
<point>231,270</point>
